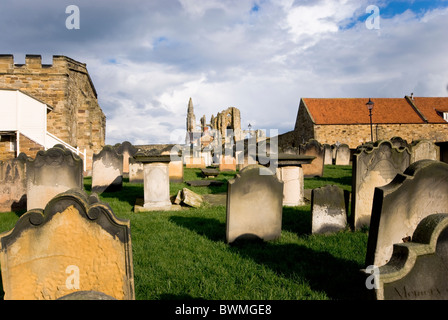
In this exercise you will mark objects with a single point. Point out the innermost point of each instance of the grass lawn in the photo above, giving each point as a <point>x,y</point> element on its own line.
<point>183,254</point>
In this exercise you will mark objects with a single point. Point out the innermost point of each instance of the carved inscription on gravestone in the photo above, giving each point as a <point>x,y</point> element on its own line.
<point>418,269</point>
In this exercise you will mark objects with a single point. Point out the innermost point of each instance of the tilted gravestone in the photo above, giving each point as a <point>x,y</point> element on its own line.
<point>75,244</point>
<point>373,166</point>
<point>424,150</point>
<point>107,172</point>
<point>342,155</point>
<point>316,167</point>
<point>254,205</point>
<point>399,206</point>
<point>418,269</point>
<point>328,209</point>
<point>53,171</point>
<point>13,184</point>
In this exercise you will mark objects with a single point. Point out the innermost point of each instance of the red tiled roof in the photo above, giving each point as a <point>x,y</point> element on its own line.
<point>429,107</point>
<point>385,110</point>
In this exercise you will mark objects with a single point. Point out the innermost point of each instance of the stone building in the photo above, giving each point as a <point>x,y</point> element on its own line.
<point>226,124</point>
<point>73,115</point>
<point>346,120</point>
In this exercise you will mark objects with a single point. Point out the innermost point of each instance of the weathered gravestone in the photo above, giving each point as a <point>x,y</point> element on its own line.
<point>328,154</point>
<point>53,171</point>
<point>328,209</point>
<point>399,142</point>
<point>424,150</point>
<point>135,171</point>
<point>418,269</point>
<point>254,205</point>
<point>342,155</point>
<point>75,244</point>
<point>13,184</point>
<point>127,150</point>
<point>156,181</point>
<point>373,166</point>
<point>316,167</point>
<point>107,173</point>
<point>399,206</point>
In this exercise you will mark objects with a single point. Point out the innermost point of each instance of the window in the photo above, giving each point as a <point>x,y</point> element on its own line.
<point>445,116</point>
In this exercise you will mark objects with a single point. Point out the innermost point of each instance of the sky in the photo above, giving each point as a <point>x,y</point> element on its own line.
<point>147,58</point>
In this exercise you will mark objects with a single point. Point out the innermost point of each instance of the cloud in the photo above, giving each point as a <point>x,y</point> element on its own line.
<point>147,58</point>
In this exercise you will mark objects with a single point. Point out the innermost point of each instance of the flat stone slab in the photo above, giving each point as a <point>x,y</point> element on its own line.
<point>210,172</point>
<point>140,208</point>
<point>219,199</point>
<point>204,183</point>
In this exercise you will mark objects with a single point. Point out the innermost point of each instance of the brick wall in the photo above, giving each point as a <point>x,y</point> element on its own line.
<point>66,86</point>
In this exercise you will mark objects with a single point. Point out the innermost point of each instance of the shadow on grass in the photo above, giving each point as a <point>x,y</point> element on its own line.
<point>338,278</point>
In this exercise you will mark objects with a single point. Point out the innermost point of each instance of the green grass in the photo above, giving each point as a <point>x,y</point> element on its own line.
<point>183,254</point>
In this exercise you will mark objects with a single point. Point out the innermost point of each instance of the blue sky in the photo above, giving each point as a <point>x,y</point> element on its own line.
<point>147,58</point>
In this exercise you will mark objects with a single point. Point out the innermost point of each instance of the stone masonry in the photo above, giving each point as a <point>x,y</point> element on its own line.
<point>66,86</point>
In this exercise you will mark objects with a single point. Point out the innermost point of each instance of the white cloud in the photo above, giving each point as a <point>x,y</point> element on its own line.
<point>147,59</point>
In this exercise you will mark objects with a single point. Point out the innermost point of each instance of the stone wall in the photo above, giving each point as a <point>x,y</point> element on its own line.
<point>66,86</point>
<point>355,135</point>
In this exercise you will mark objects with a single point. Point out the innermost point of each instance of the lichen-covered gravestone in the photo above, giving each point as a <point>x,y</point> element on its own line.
<point>373,166</point>
<point>328,209</point>
<point>75,244</point>
<point>13,184</point>
<point>107,173</point>
<point>254,205</point>
<point>418,269</point>
<point>53,171</point>
<point>399,206</point>
<point>342,155</point>
<point>424,150</point>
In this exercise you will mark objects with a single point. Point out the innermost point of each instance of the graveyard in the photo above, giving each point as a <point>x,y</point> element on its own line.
<point>184,254</point>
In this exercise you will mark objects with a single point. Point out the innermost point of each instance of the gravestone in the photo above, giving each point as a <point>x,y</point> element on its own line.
<point>328,209</point>
<point>424,150</point>
<point>127,150</point>
<point>135,171</point>
<point>328,154</point>
<point>373,166</point>
<point>227,163</point>
<point>254,205</point>
<point>53,171</point>
<point>13,184</point>
<point>194,162</point>
<point>316,167</point>
<point>399,206</point>
<point>156,182</point>
<point>107,172</point>
<point>399,142</point>
<point>418,269</point>
<point>342,157</point>
<point>75,244</point>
